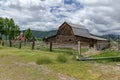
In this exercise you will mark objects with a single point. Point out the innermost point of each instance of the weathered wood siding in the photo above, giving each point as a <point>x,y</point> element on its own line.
<point>86,41</point>
<point>64,35</point>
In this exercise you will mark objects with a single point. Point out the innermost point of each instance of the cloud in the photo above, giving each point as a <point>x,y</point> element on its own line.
<point>99,16</point>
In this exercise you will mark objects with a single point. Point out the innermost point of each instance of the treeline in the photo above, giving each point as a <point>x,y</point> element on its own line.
<point>8,28</point>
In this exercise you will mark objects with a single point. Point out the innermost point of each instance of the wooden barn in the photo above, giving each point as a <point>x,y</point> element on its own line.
<point>21,38</point>
<point>69,33</point>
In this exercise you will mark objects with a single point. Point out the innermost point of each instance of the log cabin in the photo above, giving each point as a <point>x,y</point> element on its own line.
<point>69,33</point>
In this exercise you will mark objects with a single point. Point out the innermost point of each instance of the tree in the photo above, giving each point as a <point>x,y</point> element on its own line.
<point>11,26</point>
<point>16,30</point>
<point>8,28</point>
<point>28,34</point>
<point>1,27</point>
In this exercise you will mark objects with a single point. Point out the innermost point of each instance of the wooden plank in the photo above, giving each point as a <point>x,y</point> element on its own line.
<point>20,45</point>
<point>79,48</point>
<point>100,58</point>
<point>50,46</point>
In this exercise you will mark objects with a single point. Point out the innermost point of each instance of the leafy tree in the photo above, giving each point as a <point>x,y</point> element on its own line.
<point>28,34</point>
<point>16,30</point>
<point>11,26</point>
<point>1,27</point>
<point>8,28</point>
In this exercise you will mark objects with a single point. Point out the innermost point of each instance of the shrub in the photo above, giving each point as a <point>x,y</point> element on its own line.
<point>74,57</point>
<point>1,47</point>
<point>62,58</point>
<point>43,60</point>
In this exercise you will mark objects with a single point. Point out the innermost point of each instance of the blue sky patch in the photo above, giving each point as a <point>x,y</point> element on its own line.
<point>69,1</point>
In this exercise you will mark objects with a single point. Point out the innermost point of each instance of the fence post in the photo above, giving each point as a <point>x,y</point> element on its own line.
<point>118,43</point>
<point>10,43</point>
<point>2,42</point>
<point>33,45</point>
<point>50,46</point>
<point>79,48</point>
<point>20,45</point>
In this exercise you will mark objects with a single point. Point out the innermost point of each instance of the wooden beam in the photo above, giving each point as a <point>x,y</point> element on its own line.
<point>20,45</point>
<point>50,46</point>
<point>79,48</point>
<point>33,45</point>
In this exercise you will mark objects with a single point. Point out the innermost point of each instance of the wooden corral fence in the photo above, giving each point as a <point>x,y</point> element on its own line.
<point>18,44</point>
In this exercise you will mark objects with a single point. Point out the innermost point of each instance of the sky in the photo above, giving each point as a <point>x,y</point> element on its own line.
<point>98,16</point>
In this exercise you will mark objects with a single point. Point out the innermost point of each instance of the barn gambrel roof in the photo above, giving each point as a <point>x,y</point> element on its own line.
<point>80,30</point>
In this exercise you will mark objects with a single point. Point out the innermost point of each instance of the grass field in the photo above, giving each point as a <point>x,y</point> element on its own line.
<point>20,64</point>
<point>108,53</point>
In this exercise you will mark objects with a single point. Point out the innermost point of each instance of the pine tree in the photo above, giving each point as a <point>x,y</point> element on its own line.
<point>28,34</point>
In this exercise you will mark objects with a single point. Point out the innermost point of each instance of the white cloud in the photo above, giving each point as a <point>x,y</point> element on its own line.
<point>99,16</point>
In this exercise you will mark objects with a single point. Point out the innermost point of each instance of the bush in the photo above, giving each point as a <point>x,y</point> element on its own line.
<point>1,47</point>
<point>62,58</point>
<point>43,60</point>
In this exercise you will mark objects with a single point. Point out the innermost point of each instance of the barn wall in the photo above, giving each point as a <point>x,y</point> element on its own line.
<point>64,35</point>
<point>86,41</point>
<point>102,45</point>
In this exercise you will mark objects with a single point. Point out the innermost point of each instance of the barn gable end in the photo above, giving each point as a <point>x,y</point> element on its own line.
<point>65,29</point>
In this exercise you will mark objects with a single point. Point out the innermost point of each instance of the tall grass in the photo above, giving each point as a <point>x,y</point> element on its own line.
<point>61,58</point>
<point>44,60</point>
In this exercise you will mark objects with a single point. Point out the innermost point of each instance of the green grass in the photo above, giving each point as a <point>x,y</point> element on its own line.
<point>44,60</point>
<point>61,58</point>
<point>21,65</point>
<point>111,54</point>
<point>76,69</point>
<point>108,53</point>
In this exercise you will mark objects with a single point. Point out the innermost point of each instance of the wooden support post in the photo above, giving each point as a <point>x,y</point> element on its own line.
<point>33,45</point>
<point>10,43</point>
<point>109,42</point>
<point>50,46</point>
<point>79,48</point>
<point>20,45</point>
<point>2,42</point>
<point>118,43</point>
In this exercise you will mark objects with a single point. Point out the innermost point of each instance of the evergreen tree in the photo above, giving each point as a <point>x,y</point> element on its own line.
<point>28,34</point>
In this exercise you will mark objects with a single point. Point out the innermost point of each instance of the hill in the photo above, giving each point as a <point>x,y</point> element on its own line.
<point>42,34</point>
<point>113,37</point>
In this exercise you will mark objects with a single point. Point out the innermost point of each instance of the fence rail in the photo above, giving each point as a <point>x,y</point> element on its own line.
<point>100,58</point>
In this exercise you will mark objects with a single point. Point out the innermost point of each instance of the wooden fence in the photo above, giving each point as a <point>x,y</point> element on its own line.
<point>17,44</point>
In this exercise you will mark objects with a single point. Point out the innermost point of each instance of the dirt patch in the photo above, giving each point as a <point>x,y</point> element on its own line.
<point>91,52</point>
<point>65,77</point>
<point>108,72</point>
<point>45,70</point>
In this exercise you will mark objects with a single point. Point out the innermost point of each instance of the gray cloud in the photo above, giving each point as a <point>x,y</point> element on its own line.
<point>99,16</point>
